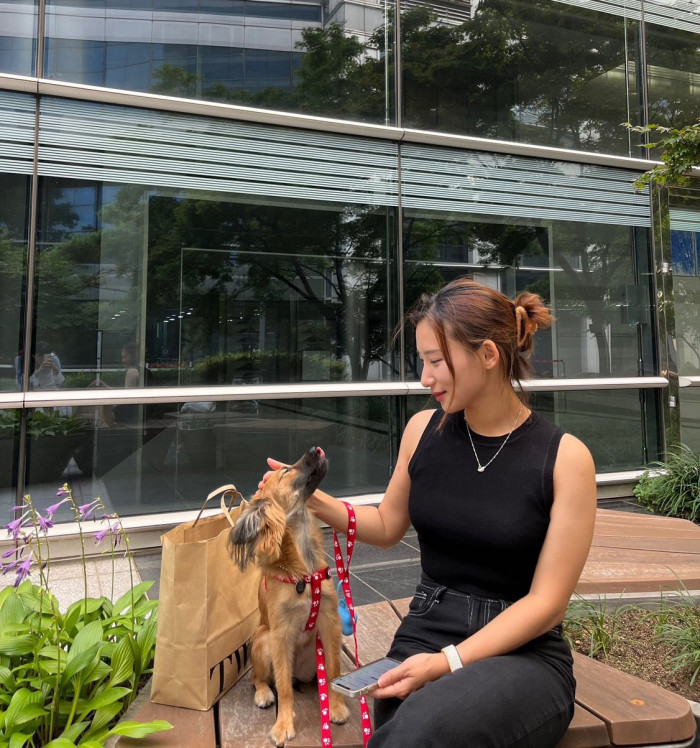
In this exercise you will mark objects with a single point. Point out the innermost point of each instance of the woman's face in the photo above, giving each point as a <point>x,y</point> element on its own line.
<point>455,394</point>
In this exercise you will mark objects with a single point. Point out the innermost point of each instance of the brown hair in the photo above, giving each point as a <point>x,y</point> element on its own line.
<point>470,313</point>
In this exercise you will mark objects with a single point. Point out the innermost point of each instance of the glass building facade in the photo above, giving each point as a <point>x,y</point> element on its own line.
<point>213,214</point>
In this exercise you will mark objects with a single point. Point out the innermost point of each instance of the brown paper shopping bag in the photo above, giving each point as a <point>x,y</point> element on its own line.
<point>207,614</point>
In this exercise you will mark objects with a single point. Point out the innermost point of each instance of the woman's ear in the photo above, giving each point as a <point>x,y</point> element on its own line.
<point>489,354</point>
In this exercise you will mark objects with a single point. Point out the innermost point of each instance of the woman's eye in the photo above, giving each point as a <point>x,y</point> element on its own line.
<point>436,362</point>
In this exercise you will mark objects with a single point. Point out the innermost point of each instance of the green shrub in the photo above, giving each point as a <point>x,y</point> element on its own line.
<point>672,488</point>
<point>678,626</point>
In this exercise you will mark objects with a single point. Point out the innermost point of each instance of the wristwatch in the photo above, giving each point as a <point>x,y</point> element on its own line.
<point>453,659</point>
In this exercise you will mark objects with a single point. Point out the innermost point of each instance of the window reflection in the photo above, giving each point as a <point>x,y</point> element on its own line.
<point>209,290</point>
<point>161,460</point>
<point>582,270</point>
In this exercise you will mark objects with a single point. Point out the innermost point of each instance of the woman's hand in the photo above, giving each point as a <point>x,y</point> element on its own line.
<point>274,465</point>
<point>411,675</point>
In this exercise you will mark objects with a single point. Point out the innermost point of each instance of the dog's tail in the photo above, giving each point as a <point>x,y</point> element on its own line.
<point>258,532</point>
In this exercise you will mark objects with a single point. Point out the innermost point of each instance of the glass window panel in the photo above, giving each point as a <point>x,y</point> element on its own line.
<point>18,33</point>
<point>267,10</point>
<point>159,457</point>
<point>165,290</point>
<point>686,307</point>
<point>682,252</point>
<point>221,70</point>
<point>309,69</point>
<point>265,69</point>
<point>16,55</point>
<point>14,233</point>
<point>585,278</point>
<point>9,452</point>
<point>673,75</point>
<point>690,417</point>
<point>620,434</point>
<point>545,73</point>
<point>128,66</point>
<point>76,60</point>
<point>306,13</point>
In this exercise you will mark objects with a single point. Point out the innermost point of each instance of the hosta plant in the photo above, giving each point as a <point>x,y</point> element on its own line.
<point>66,677</point>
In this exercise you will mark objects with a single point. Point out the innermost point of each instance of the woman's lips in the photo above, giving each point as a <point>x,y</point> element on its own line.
<point>439,395</point>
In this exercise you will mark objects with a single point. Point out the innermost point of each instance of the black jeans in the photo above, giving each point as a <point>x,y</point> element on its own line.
<point>524,699</point>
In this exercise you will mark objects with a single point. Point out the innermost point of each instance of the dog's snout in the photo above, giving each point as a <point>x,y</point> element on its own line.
<point>318,451</point>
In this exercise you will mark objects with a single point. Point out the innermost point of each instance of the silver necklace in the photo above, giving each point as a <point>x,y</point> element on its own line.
<point>480,468</point>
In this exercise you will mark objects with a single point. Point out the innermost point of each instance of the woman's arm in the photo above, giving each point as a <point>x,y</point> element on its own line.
<point>559,566</point>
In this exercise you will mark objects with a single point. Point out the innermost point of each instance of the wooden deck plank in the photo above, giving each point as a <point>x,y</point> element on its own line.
<point>191,728</point>
<point>376,624</point>
<point>585,731</point>
<point>651,544</point>
<point>635,711</point>
<point>240,721</point>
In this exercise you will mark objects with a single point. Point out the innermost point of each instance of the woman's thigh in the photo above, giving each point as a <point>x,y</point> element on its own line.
<point>511,701</point>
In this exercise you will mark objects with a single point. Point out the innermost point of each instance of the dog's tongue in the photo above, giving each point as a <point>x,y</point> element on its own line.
<point>321,453</point>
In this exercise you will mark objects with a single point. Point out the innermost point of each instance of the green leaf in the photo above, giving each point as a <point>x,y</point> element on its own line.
<point>140,729</point>
<point>135,594</point>
<point>103,717</point>
<point>122,661</point>
<point>24,707</point>
<point>17,645</point>
<point>79,662</point>
<point>7,680</point>
<point>108,696</point>
<point>86,638</point>
<point>19,739</point>
<point>60,743</point>
<point>13,609</point>
<point>74,731</point>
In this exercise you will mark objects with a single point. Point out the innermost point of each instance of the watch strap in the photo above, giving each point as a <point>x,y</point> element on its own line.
<point>453,659</point>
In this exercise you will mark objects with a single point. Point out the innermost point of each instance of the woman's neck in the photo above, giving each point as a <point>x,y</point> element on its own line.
<point>496,417</point>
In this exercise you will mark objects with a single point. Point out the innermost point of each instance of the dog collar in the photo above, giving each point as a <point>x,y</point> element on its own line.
<point>301,582</point>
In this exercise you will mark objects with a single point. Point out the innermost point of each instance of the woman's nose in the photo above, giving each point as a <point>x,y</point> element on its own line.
<point>425,377</point>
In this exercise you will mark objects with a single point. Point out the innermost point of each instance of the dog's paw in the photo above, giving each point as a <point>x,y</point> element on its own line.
<point>281,733</point>
<point>264,697</point>
<point>339,713</point>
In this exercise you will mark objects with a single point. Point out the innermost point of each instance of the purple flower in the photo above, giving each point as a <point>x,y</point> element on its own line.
<point>9,553</point>
<point>63,490</point>
<point>9,567</point>
<point>85,510</point>
<point>23,571</point>
<point>14,527</point>
<point>51,510</point>
<point>44,523</point>
<point>100,536</point>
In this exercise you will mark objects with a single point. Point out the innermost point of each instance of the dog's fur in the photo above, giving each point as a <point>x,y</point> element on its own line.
<point>278,534</point>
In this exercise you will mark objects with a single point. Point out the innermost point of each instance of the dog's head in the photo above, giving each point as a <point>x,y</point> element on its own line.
<point>259,530</point>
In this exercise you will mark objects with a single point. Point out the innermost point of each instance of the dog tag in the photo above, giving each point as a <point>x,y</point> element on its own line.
<point>300,586</point>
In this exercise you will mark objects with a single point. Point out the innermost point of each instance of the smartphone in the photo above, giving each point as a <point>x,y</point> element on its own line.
<point>363,679</point>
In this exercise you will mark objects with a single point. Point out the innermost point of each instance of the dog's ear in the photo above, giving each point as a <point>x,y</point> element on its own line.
<point>258,532</point>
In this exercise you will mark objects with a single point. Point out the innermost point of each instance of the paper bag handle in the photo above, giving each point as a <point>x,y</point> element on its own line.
<point>228,489</point>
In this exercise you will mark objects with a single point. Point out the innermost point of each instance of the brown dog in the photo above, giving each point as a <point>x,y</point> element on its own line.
<point>278,534</point>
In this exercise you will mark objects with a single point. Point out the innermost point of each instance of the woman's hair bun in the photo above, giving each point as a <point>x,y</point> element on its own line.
<point>531,314</point>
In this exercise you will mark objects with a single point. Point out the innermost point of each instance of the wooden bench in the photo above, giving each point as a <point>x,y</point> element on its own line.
<point>612,707</point>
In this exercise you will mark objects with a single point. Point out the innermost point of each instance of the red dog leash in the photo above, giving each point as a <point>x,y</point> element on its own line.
<point>344,576</point>
<point>315,580</point>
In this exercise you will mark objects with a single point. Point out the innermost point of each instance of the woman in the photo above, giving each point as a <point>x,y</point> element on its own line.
<point>503,503</point>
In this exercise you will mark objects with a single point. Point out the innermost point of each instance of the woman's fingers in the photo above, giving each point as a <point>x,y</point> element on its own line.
<point>274,465</point>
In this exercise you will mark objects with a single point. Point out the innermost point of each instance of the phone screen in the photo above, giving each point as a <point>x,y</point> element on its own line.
<point>363,679</point>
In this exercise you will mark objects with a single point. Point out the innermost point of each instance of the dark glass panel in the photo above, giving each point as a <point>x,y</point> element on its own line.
<point>17,55</point>
<point>583,271</point>
<point>166,457</point>
<point>75,60</point>
<point>673,75</point>
<point>683,252</point>
<point>14,235</point>
<point>536,71</point>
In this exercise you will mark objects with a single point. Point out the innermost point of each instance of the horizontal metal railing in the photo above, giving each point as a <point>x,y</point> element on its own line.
<point>108,396</point>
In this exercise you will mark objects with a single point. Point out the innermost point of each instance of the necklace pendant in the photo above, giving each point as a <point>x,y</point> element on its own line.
<point>480,469</point>
<point>300,586</point>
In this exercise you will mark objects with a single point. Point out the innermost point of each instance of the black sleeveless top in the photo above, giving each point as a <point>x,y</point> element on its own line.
<point>481,533</point>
